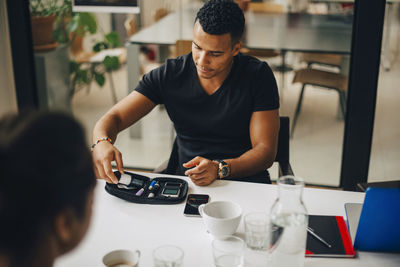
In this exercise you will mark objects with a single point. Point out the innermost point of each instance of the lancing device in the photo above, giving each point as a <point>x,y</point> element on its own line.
<point>152,184</point>
<point>155,189</point>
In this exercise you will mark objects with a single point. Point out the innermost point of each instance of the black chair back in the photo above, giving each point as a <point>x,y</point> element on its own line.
<point>282,154</point>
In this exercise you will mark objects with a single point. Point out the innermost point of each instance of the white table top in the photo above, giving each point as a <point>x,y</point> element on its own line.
<point>298,32</point>
<point>118,224</point>
<point>347,1</point>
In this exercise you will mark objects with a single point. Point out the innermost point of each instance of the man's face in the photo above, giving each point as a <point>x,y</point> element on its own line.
<point>212,54</point>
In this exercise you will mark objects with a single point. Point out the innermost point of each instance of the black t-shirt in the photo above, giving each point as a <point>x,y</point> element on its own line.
<point>212,126</point>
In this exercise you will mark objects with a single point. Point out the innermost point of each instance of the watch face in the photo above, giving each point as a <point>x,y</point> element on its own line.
<point>224,171</point>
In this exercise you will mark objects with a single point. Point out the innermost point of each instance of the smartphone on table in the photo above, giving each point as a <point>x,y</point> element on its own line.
<point>193,202</point>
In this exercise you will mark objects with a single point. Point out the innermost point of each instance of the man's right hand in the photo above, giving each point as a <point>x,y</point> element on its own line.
<point>103,154</point>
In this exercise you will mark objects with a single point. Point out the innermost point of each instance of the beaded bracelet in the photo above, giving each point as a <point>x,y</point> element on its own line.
<point>108,139</point>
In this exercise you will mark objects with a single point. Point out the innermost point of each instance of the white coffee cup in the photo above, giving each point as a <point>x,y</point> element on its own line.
<point>221,218</point>
<point>122,258</point>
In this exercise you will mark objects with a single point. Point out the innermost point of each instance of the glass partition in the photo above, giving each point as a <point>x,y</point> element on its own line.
<point>290,38</point>
<point>313,86</point>
<point>90,61</point>
<point>385,150</point>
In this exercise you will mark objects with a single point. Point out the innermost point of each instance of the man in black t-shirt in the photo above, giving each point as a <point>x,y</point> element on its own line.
<point>224,105</point>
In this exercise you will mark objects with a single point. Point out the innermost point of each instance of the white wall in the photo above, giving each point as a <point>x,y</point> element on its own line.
<point>8,101</point>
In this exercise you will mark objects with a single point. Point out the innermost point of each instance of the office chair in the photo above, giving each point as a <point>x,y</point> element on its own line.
<point>159,13</point>
<point>265,7</point>
<point>320,78</point>
<point>322,59</point>
<point>130,26</point>
<point>180,48</point>
<point>282,155</point>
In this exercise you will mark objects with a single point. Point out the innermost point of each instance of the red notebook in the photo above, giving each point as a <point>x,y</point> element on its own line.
<point>333,230</point>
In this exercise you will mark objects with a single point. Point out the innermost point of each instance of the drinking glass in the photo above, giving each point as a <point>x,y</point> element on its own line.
<point>168,256</point>
<point>228,251</point>
<point>256,225</point>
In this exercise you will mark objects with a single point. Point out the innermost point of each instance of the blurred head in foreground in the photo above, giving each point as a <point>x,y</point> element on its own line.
<point>46,187</point>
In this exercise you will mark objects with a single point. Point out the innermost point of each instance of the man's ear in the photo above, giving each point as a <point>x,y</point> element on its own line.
<point>236,48</point>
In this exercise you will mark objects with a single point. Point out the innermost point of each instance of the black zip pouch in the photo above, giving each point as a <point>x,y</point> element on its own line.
<point>141,189</point>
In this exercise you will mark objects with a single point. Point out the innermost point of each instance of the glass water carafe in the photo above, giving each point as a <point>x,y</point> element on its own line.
<point>288,224</point>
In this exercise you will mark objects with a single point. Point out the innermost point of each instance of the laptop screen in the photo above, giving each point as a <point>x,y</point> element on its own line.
<point>378,228</point>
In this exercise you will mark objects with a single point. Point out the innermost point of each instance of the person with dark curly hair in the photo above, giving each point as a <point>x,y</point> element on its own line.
<point>46,188</point>
<point>224,106</point>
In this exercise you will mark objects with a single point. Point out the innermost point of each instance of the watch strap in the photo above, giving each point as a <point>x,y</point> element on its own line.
<point>221,161</point>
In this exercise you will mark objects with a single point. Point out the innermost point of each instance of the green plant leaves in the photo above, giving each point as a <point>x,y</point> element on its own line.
<point>99,78</point>
<point>79,75</point>
<point>60,36</point>
<point>100,46</point>
<point>82,23</point>
<point>111,63</point>
<point>73,24</point>
<point>85,76</point>
<point>73,66</point>
<point>43,7</point>
<point>49,7</point>
<point>113,39</point>
<point>88,22</point>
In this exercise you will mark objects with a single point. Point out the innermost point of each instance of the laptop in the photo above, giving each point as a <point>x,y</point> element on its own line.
<point>375,225</point>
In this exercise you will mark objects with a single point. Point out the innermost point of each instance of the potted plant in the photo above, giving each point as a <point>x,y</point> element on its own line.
<point>43,16</point>
<point>53,22</point>
<point>82,73</point>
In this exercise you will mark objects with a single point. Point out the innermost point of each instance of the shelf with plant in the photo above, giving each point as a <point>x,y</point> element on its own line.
<point>70,28</point>
<point>44,13</point>
<point>82,72</point>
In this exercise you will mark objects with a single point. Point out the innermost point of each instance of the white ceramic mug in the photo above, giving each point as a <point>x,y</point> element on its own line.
<point>122,258</point>
<point>221,218</point>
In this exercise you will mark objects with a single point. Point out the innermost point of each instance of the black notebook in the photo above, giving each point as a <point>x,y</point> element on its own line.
<point>333,230</point>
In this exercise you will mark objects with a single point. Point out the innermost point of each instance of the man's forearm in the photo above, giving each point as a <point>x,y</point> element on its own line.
<point>107,126</point>
<point>257,159</point>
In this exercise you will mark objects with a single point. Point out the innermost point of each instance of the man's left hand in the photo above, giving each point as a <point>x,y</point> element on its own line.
<point>203,171</point>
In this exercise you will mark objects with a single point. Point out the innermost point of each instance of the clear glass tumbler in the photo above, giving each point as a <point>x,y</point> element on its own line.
<point>228,251</point>
<point>256,226</point>
<point>168,256</point>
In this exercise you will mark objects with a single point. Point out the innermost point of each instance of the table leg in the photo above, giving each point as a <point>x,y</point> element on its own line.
<point>344,69</point>
<point>386,49</point>
<point>133,66</point>
<point>133,71</point>
<point>283,70</point>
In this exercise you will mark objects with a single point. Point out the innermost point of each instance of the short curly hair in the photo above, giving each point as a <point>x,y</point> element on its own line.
<point>218,17</point>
